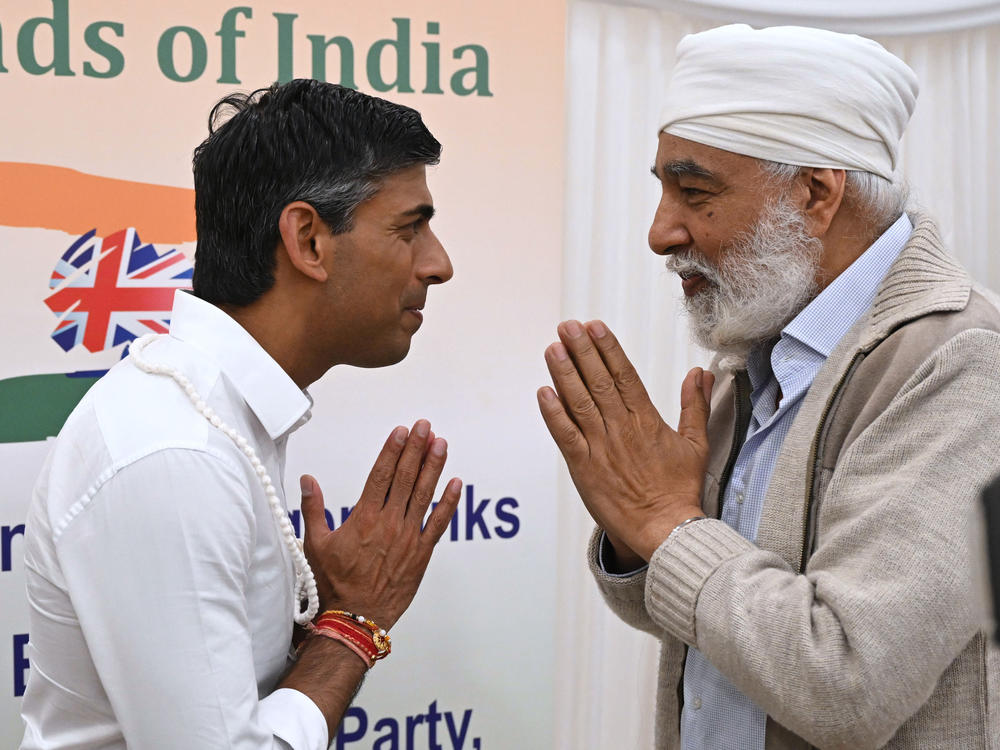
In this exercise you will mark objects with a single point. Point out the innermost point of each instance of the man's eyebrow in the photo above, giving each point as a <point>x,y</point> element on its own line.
<point>687,168</point>
<point>425,211</point>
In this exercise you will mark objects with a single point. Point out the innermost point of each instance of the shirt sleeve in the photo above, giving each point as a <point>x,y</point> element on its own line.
<point>602,544</point>
<point>157,564</point>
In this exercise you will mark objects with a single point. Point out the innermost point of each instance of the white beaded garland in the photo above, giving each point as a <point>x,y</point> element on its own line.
<point>305,581</point>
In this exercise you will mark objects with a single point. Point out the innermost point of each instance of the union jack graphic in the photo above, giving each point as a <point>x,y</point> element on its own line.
<point>111,291</point>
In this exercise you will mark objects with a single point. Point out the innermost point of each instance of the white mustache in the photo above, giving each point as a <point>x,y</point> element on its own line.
<point>686,265</point>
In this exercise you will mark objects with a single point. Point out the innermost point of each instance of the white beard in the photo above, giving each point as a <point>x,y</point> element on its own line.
<point>765,277</point>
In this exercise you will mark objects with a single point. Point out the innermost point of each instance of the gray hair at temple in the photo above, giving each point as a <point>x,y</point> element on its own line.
<point>876,199</point>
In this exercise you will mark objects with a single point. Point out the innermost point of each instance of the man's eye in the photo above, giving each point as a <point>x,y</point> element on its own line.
<point>693,192</point>
<point>409,231</point>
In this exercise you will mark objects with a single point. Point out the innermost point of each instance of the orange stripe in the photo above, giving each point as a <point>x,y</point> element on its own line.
<point>47,197</point>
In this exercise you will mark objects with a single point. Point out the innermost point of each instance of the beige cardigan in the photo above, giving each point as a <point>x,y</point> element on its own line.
<point>854,621</point>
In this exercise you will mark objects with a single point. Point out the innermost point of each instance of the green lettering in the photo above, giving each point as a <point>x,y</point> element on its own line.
<point>285,44</point>
<point>320,44</point>
<point>228,33</point>
<point>481,70</point>
<point>2,68</point>
<point>116,60</point>
<point>165,53</point>
<point>433,61</point>
<point>59,23</point>
<point>401,44</point>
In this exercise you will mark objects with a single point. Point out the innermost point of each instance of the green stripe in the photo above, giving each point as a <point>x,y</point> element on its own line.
<point>34,407</point>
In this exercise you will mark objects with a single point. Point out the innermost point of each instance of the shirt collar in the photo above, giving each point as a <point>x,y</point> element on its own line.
<point>280,405</point>
<point>824,321</point>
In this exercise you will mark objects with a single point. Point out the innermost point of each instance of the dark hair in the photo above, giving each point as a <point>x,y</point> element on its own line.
<point>304,140</point>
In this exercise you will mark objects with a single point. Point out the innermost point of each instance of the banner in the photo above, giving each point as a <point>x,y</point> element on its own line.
<point>104,102</point>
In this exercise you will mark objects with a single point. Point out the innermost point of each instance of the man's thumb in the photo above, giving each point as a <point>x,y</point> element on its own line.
<point>313,509</point>
<point>695,393</point>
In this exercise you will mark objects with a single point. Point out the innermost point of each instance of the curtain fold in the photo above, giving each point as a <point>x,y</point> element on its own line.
<point>887,17</point>
<point>619,60</point>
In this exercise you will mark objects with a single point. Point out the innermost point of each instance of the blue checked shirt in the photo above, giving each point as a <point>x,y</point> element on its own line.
<point>715,714</point>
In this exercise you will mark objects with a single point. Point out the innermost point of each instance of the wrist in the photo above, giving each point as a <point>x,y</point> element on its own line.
<point>657,533</point>
<point>618,557</point>
<point>357,632</point>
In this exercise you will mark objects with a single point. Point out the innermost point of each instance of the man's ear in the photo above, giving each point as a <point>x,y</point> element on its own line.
<point>826,193</point>
<point>304,239</point>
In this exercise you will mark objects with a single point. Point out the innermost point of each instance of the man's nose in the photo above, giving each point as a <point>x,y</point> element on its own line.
<point>435,265</point>
<point>667,233</point>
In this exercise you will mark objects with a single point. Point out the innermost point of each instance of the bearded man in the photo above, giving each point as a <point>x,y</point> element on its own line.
<point>801,546</point>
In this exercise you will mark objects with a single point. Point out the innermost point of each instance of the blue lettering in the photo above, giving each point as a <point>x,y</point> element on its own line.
<point>343,737</point>
<point>20,663</point>
<point>433,717</point>
<point>7,534</point>
<point>469,518</point>
<point>389,740</point>
<point>505,517</point>
<point>386,732</point>
<point>458,738</point>
<point>474,516</point>
<point>411,727</point>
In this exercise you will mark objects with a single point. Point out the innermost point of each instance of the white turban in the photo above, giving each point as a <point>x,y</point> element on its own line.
<point>790,94</point>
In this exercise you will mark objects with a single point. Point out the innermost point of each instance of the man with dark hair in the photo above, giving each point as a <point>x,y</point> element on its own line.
<point>163,572</point>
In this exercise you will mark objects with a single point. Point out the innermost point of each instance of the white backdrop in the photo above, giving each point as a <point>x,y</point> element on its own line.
<point>619,60</point>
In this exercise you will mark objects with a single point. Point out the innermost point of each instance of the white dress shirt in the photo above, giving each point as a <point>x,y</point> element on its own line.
<point>159,588</point>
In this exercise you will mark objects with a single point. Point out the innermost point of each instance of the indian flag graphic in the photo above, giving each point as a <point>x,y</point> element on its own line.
<point>115,251</point>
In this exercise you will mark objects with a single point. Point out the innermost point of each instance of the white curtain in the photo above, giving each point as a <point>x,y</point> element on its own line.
<point>619,59</point>
<point>856,16</point>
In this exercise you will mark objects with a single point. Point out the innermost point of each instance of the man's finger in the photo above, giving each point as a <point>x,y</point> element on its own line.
<point>564,431</point>
<point>313,508</point>
<point>707,383</point>
<point>430,472</point>
<point>408,468</point>
<point>630,388</point>
<point>443,511</point>
<point>693,421</point>
<point>594,372</point>
<point>574,394</point>
<point>380,477</point>
<point>430,441</point>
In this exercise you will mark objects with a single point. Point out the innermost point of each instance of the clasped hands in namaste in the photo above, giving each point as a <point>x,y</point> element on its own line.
<point>638,477</point>
<point>372,564</point>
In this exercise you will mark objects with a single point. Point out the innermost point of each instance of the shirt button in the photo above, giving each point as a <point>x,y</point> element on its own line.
<point>739,498</point>
<point>696,704</point>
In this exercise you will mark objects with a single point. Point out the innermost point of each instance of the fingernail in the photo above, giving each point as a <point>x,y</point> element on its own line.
<point>454,484</point>
<point>439,447</point>
<point>399,435</point>
<point>560,351</point>
<point>573,329</point>
<point>698,377</point>
<point>547,394</point>
<point>422,427</point>
<point>598,329</point>
<point>306,485</point>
